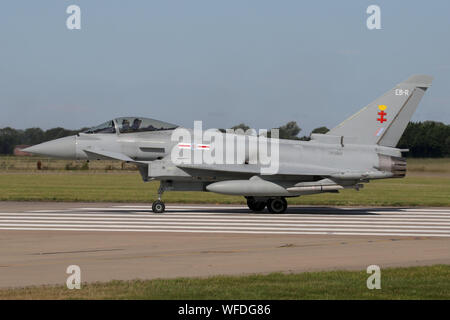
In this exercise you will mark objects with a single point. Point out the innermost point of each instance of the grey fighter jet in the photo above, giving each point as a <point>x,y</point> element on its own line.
<point>360,149</point>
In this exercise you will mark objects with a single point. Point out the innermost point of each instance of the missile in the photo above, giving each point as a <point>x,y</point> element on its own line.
<point>315,188</point>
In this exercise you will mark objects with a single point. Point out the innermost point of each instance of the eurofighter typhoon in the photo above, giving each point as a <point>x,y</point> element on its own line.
<point>265,170</point>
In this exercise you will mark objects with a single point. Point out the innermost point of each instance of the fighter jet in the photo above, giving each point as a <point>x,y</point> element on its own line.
<point>360,149</point>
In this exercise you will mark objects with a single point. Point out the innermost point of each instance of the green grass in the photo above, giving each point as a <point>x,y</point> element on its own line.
<point>427,184</point>
<point>414,190</point>
<point>431,165</point>
<point>397,283</point>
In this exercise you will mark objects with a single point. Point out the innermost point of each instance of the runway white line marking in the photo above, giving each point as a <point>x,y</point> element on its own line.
<point>202,223</point>
<point>208,221</point>
<point>112,227</point>
<point>48,211</point>
<point>234,231</point>
<point>342,221</point>
<point>263,216</point>
<point>427,209</point>
<point>412,212</point>
<point>171,210</point>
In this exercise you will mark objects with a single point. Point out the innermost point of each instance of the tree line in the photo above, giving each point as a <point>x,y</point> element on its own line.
<point>426,139</point>
<point>10,137</point>
<point>423,139</point>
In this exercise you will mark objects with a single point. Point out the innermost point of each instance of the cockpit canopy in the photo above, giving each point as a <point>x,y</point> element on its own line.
<point>134,124</point>
<point>107,127</point>
<point>131,124</point>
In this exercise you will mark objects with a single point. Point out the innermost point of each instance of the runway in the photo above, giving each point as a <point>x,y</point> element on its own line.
<point>408,222</point>
<point>39,240</point>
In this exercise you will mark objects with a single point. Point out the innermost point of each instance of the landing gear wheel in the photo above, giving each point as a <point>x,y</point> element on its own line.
<point>254,205</point>
<point>277,205</point>
<point>158,206</point>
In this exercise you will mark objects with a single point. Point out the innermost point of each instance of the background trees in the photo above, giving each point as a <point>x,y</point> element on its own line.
<point>426,139</point>
<point>9,137</point>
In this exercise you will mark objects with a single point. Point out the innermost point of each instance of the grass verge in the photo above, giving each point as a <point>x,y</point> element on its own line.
<point>431,282</point>
<point>414,190</point>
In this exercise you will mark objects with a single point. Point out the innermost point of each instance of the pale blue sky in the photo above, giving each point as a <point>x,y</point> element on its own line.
<point>224,62</point>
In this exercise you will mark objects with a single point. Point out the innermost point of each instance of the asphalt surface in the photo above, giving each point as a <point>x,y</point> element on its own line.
<point>38,241</point>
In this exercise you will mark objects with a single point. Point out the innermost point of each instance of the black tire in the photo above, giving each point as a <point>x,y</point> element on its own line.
<point>277,205</point>
<point>260,205</point>
<point>254,205</point>
<point>158,206</point>
<point>285,202</point>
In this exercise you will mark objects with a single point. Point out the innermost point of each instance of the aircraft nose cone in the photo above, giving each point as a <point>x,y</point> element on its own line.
<point>58,148</point>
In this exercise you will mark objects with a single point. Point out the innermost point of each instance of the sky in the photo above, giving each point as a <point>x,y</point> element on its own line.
<point>260,62</point>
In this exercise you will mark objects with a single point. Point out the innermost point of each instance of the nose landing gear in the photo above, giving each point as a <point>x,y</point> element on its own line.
<point>158,206</point>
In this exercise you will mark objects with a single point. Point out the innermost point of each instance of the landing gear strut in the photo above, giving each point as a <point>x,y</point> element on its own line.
<point>158,206</point>
<point>277,205</point>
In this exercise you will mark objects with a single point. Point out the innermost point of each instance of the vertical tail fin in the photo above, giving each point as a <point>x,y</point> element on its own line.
<point>384,120</point>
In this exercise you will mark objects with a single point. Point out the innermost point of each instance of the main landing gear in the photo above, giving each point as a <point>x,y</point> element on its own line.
<point>255,205</point>
<point>274,205</point>
<point>158,206</point>
<point>277,205</point>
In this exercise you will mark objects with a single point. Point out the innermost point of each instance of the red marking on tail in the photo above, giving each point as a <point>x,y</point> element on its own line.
<point>381,119</point>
